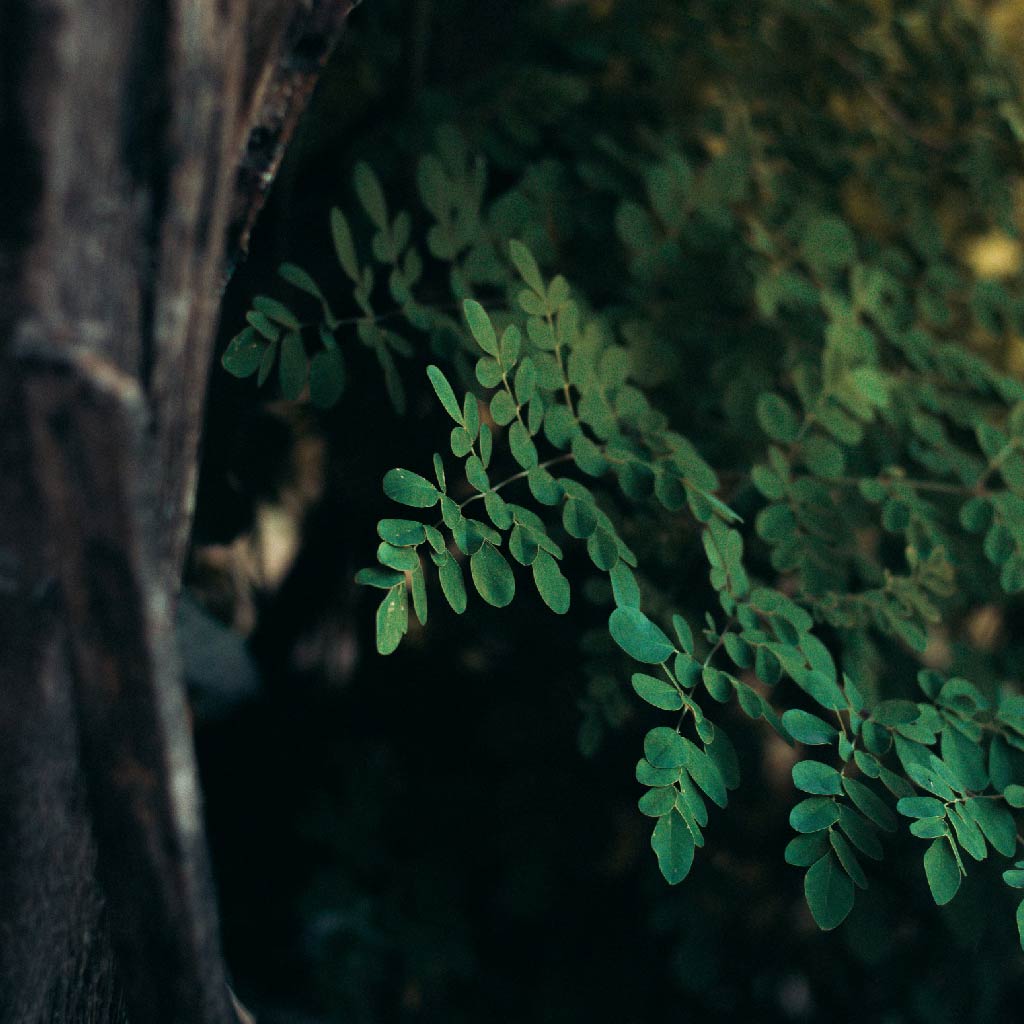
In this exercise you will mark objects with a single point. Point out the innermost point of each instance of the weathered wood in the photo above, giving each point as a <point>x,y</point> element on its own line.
<point>91,445</point>
<point>122,123</point>
<point>275,102</point>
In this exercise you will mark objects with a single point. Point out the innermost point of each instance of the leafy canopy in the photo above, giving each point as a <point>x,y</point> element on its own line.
<point>762,357</point>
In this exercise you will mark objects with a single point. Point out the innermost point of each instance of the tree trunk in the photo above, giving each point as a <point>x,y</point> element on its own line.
<point>141,138</point>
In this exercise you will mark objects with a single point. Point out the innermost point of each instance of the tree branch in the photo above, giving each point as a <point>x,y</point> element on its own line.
<point>273,111</point>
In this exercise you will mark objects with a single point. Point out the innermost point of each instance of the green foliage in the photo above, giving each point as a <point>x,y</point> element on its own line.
<point>748,368</point>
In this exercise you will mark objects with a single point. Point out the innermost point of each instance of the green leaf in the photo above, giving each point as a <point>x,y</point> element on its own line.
<point>543,486</point>
<point>927,779</point>
<point>341,235</point>
<point>371,195</point>
<point>870,804</point>
<point>777,418</point>
<point>298,277</point>
<point>942,871</point>
<point>419,593</point>
<point>673,845</point>
<point>492,576</point>
<point>263,324</point>
<point>803,851</point>
<point>488,372</point>
<point>929,828</point>
<point>498,510</point>
<point>503,408</point>
<point>996,822</point>
<point>704,772</point>
<point>439,476</point>
<point>326,378</point>
<point>392,619</point>
<point>525,381</point>
<point>480,326</point>
<point>640,638</point>
<point>867,763</point>
<point>522,545</point>
<point>690,803</point>
<point>823,458</point>
<point>965,759</point>
<point>552,586</point>
<point>718,683</point>
<point>821,687</point>
<point>828,244</point>
<point>276,311</point>
<point>383,579</point>
<point>976,515</point>
<point>558,293</point>
<point>527,267</point>
<point>460,442</point>
<point>807,728</point>
<point>293,366</point>
<point>658,692</point>
<point>1014,795</point>
<point>445,394</point>
<point>829,892</point>
<point>847,858</point>
<point>920,807</point>
<point>813,814</point>
<point>401,532</point>
<point>860,833</point>
<point>648,775</point>
<point>968,835</point>
<point>722,752</point>
<point>625,589</point>
<point>453,587</point>
<point>590,460</point>
<point>895,712</point>
<point>477,475</point>
<point>579,518</point>
<point>603,550</point>
<point>815,777</point>
<point>408,488</point>
<point>657,802</point>
<point>683,633</point>
<point>521,446</point>
<point>399,559</point>
<point>244,353</point>
<point>664,748</point>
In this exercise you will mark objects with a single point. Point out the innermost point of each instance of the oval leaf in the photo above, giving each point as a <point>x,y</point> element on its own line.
<point>829,892</point>
<point>807,728</point>
<point>658,692</point>
<point>942,871</point>
<point>392,619</point>
<point>408,488</point>
<point>664,748</point>
<point>552,586</point>
<point>492,576</point>
<point>639,637</point>
<point>815,777</point>
<point>445,393</point>
<point>814,814</point>
<point>673,845</point>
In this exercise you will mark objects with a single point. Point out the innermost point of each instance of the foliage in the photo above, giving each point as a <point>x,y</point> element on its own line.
<point>764,353</point>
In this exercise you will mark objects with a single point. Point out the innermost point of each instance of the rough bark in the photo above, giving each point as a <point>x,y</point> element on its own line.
<point>123,124</point>
<point>296,52</point>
